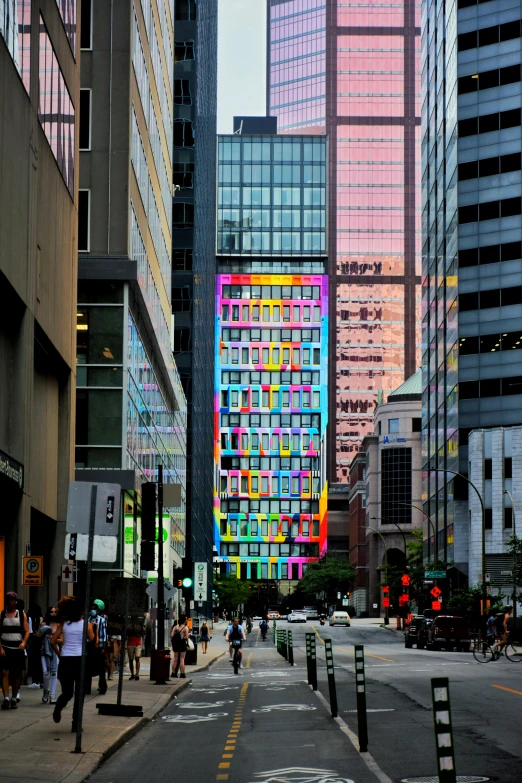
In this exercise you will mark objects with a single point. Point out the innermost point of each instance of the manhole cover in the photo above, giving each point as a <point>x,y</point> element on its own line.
<point>435,779</point>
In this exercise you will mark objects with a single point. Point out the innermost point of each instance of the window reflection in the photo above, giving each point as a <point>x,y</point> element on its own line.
<point>15,29</point>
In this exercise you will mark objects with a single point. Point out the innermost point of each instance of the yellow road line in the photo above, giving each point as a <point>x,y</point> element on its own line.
<point>503,688</point>
<point>227,755</point>
<point>224,764</point>
<point>317,634</point>
<point>367,655</point>
<point>248,661</point>
<point>221,777</point>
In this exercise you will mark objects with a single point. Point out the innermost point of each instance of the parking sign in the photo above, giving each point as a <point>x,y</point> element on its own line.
<point>200,581</point>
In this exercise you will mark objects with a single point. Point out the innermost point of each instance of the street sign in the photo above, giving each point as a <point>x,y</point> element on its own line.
<point>200,581</point>
<point>69,573</point>
<point>33,571</point>
<point>487,578</point>
<point>79,507</point>
<point>152,591</point>
<point>435,591</point>
<point>403,599</point>
<point>105,548</point>
<point>338,596</point>
<point>436,605</point>
<point>345,602</point>
<point>435,574</point>
<point>386,602</point>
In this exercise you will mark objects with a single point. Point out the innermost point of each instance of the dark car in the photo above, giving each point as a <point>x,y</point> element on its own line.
<point>415,633</point>
<point>448,631</point>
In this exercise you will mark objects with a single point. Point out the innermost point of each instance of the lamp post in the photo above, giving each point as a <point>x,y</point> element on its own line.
<point>507,492</point>
<point>390,521</point>
<point>367,527</point>
<point>484,588</point>
<point>430,525</point>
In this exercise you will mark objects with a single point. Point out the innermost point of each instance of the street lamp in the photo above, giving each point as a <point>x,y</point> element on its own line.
<point>367,527</point>
<point>484,588</point>
<point>385,519</point>
<point>430,524</point>
<point>507,492</point>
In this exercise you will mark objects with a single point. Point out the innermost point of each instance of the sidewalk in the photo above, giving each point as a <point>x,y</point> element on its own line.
<point>34,748</point>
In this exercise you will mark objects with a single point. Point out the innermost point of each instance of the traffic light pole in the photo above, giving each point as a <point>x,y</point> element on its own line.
<point>161,601</point>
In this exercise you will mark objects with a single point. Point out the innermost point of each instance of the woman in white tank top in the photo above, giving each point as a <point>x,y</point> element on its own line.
<point>69,667</point>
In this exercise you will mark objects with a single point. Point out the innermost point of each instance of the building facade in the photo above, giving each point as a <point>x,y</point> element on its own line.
<point>357,538</point>
<point>495,467</point>
<point>352,71</point>
<point>39,102</point>
<point>472,232</point>
<point>271,355</point>
<point>393,484</point>
<point>194,259</point>
<point>130,405</point>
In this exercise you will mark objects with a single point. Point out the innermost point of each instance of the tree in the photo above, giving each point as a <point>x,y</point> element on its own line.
<point>465,602</point>
<point>331,574</point>
<point>231,592</point>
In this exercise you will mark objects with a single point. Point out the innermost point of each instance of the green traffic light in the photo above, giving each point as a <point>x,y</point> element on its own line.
<point>187,582</point>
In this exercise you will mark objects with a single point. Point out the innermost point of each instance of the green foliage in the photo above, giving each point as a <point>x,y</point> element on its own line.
<point>465,602</point>
<point>330,574</point>
<point>232,592</point>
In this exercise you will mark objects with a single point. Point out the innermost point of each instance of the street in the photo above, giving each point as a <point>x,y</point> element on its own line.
<point>266,724</point>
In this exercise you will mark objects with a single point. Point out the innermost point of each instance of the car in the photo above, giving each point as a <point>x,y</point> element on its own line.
<point>311,613</point>
<point>297,616</point>
<point>448,631</point>
<point>416,632</point>
<point>339,618</point>
<point>273,614</point>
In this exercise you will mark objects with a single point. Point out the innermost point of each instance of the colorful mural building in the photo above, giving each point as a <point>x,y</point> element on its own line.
<point>271,342</point>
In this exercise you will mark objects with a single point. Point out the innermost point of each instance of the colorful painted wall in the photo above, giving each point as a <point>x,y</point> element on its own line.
<point>270,423</point>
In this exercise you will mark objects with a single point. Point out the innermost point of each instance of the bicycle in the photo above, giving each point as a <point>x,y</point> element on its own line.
<point>236,660</point>
<point>483,652</point>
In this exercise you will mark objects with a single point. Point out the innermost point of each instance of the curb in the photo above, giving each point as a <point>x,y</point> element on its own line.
<point>133,730</point>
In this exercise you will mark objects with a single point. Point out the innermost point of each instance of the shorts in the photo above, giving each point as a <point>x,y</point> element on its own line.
<point>134,651</point>
<point>12,660</point>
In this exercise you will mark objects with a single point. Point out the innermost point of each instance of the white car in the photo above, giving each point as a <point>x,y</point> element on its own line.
<point>339,618</point>
<point>297,616</point>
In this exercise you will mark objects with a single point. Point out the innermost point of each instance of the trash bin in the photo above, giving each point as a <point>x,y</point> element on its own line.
<point>160,665</point>
<point>191,656</point>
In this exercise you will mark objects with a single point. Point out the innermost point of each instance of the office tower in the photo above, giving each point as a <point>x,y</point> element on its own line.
<point>271,353</point>
<point>130,405</point>
<point>39,97</point>
<point>472,294</point>
<point>351,71</point>
<point>194,259</point>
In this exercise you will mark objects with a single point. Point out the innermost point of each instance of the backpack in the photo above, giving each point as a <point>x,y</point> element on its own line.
<point>46,633</point>
<point>499,622</point>
<point>9,629</point>
<point>235,634</point>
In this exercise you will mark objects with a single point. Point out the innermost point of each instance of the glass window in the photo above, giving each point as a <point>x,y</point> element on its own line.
<point>393,425</point>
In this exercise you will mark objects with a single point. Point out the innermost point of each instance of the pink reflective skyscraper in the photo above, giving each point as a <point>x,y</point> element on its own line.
<point>352,70</point>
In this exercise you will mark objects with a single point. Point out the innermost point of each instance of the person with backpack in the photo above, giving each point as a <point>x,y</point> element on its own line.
<point>264,628</point>
<point>235,637</point>
<point>179,635</point>
<point>504,627</point>
<point>48,655</point>
<point>14,633</point>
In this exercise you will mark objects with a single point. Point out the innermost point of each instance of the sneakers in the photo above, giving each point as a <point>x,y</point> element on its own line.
<point>5,705</point>
<point>18,697</point>
<point>45,697</point>
<point>132,677</point>
<point>34,685</point>
<point>14,705</point>
<point>136,676</point>
<point>183,676</point>
<point>174,675</point>
<point>53,699</point>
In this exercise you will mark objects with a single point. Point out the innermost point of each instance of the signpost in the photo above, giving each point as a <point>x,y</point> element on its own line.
<point>33,571</point>
<point>69,573</point>
<point>435,574</point>
<point>200,581</point>
<point>435,592</point>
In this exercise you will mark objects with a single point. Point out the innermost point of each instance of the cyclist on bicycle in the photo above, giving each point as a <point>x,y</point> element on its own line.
<point>264,628</point>
<point>506,630</point>
<point>235,638</point>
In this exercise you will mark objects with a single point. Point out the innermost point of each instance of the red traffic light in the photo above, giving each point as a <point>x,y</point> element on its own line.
<point>405,580</point>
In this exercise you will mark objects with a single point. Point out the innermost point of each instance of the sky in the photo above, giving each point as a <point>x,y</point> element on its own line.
<point>241,60</point>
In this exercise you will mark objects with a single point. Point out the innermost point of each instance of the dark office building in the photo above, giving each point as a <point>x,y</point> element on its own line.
<point>193,240</point>
<point>472,249</point>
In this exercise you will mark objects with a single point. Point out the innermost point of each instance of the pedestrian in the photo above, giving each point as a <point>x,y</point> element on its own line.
<point>14,633</point>
<point>205,638</point>
<point>99,623</point>
<point>225,615</point>
<point>71,628</point>
<point>48,655</point>
<point>134,642</point>
<point>491,631</point>
<point>179,636</point>
<point>34,646</point>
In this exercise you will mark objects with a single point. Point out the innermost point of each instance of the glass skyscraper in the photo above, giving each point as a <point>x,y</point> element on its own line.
<point>271,355</point>
<point>472,234</point>
<point>351,70</point>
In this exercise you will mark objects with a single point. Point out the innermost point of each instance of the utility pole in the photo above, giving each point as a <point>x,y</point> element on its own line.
<point>161,601</point>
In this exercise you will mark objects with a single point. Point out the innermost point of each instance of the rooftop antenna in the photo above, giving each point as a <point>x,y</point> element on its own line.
<point>239,130</point>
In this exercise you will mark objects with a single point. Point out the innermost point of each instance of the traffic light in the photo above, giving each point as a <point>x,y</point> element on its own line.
<point>179,583</point>
<point>148,525</point>
<point>347,595</point>
<point>186,582</point>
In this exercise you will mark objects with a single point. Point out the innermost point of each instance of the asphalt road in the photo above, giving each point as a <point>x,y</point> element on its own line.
<point>265,725</point>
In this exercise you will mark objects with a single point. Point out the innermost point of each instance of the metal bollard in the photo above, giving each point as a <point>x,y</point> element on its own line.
<point>274,628</point>
<point>308,658</point>
<point>290,649</point>
<point>331,677</point>
<point>360,684</point>
<point>313,663</point>
<point>285,645</point>
<point>443,730</point>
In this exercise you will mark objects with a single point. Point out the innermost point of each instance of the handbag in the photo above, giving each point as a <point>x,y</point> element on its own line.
<point>190,644</point>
